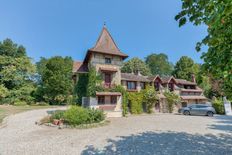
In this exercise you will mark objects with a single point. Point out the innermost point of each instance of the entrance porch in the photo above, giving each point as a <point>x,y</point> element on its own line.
<point>110,102</point>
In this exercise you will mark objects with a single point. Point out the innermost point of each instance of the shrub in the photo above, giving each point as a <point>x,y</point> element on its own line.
<point>78,115</point>
<point>59,114</point>
<point>20,103</point>
<point>218,106</point>
<point>59,99</point>
<point>42,103</point>
<point>95,116</point>
<point>71,100</point>
<point>3,92</point>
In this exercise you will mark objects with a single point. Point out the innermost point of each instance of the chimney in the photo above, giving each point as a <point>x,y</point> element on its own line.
<point>138,73</point>
<point>132,72</point>
<point>193,78</point>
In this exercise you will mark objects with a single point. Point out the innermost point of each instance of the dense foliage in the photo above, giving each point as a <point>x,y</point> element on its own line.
<point>124,93</point>
<point>77,115</point>
<point>3,92</point>
<point>81,87</point>
<point>88,84</point>
<point>16,74</point>
<point>55,84</point>
<point>159,64</point>
<point>172,99</point>
<point>59,115</point>
<point>142,101</point>
<point>135,100</point>
<point>149,98</point>
<point>135,65</point>
<point>218,106</point>
<point>217,16</point>
<point>185,68</point>
<point>94,81</point>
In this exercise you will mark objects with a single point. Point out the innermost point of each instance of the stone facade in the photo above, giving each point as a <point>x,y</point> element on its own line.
<point>107,59</point>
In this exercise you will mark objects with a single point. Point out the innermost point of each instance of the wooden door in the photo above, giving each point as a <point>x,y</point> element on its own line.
<point>107,78</point>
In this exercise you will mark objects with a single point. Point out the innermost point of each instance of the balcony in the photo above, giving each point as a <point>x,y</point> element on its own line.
<point>108,85</point>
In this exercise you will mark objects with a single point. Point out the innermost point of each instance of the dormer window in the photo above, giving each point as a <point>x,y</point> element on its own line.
<point>171,86</point>
<point>157,86</point>
<point>107,60</point>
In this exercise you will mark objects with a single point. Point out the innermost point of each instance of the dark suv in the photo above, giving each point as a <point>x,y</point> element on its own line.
<point>198,109</point>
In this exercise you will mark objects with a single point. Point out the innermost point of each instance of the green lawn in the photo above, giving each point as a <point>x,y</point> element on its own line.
<point>6,110</point>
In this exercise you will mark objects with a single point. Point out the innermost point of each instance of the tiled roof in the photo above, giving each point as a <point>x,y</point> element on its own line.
<point>108,93</point>
<point>110,69</point>
<point>153,77</point>
<point>106,45</point>
<point>182,81</point>
<point>193,97</point>
<point>166,79</point>
<point>79,67</point>
<point>133,77</point>
<point>192,90</point>
<point>178,81</point>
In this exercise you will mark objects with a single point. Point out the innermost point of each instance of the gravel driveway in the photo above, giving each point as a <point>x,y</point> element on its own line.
<point>146,134</point>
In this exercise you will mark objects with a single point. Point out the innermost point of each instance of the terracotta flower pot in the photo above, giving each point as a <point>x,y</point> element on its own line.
<point>56,122</point>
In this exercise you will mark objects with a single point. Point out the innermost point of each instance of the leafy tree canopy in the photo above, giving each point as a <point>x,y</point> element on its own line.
<point>134,65</point>
<point>16,72</point>
<point>185,67</point>
<point>56,82</point>
<point>217,15</point>
<point>159,64</point>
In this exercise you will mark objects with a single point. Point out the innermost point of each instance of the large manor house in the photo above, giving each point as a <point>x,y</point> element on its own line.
<point>106,57</point>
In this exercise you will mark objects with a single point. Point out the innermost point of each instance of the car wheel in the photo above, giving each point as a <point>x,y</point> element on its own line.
<point>186,112</point>
<point>210,113</point>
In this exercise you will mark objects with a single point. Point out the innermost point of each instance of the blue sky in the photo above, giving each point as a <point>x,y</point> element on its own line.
<point>69,27</point>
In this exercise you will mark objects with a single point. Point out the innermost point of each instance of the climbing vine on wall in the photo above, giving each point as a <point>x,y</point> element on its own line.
<point>135,102</point>
<point>124,93</point>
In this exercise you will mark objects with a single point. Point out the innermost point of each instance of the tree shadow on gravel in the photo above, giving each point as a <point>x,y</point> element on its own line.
<point>165,143</point>
<point>224,123</point>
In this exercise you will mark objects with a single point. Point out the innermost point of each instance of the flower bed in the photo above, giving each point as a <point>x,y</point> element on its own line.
<point>75,117</point>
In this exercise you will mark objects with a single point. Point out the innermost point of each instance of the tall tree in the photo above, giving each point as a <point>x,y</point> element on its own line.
<point>185,67</point>
<point>136,65</point>
<point>16,72</point>
<point>56,82</point>
<point>217,15</point>
<point>159,64</point>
